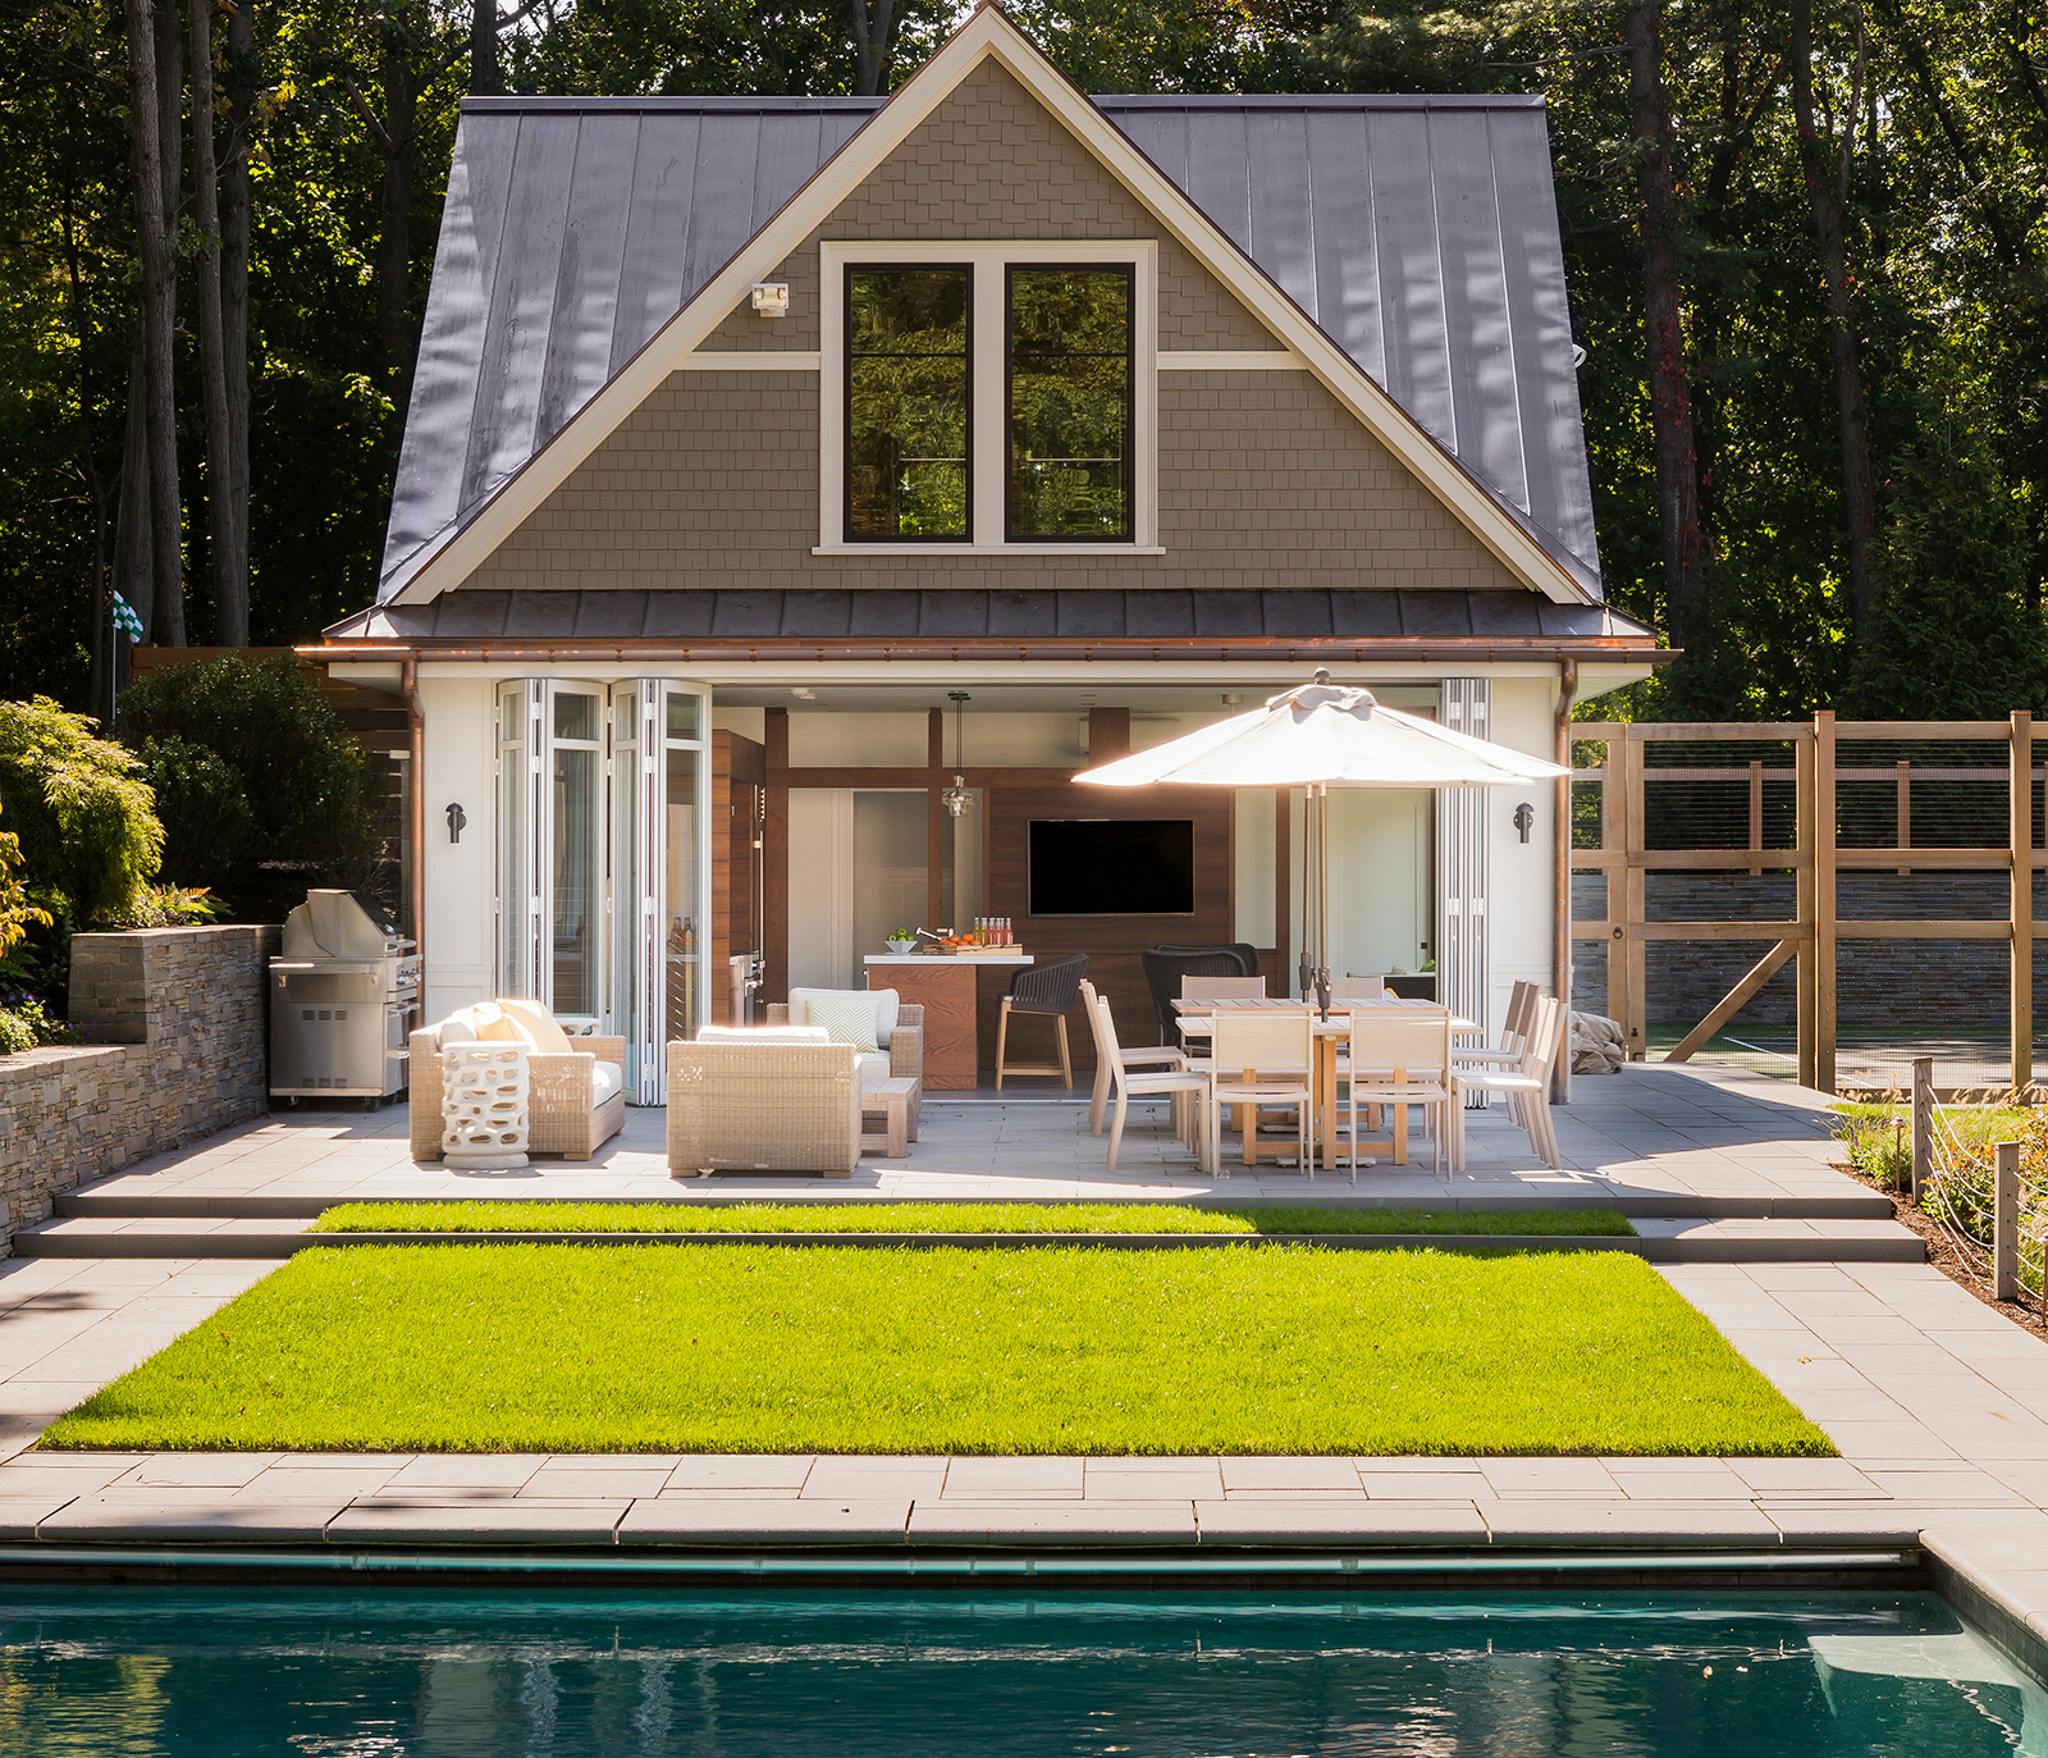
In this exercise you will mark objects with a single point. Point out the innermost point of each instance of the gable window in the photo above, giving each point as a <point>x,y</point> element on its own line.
<point>908,375</point>
<point>1068,403</point>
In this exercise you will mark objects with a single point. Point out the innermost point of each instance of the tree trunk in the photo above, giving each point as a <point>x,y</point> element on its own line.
<point>1678,504</point>
<point>484,78</point>
<point>230,588</point>
<point>159,421</point>
<point>394,215</point>
<point>234,268</point>
<point>134,568</point>
<point>873,28</point>
<point>1827,187</point>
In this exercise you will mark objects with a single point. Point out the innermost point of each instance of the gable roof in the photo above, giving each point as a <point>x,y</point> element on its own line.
<point>1417,235</point>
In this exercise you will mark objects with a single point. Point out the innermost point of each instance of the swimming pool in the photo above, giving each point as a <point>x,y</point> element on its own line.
<point>120,1672</point>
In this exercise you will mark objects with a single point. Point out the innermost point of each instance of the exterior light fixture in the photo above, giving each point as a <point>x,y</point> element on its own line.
<point>1525,819</point>
<point>957,799</point>
<point>771,299</point>
<point>457,818</point>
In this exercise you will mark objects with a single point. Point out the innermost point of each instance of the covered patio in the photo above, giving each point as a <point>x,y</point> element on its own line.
<point>1673,1144</point>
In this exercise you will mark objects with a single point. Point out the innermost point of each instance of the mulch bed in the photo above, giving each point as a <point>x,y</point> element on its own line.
<point>1945,1258</point>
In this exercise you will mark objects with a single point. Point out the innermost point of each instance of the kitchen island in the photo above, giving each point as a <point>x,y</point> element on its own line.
<point>947,987</point>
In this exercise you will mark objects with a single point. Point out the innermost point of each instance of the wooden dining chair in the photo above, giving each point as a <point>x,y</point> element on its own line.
<point>1109,1054</point>
<point>1528,1085</point>
<point>1510,1053</point>
<point>1357,988</point>
<point>1401,1057</point>
<point>1262,1059</point>
<point>1043,991</point>
<point>1223,988</point>
<point>1184,1088</point>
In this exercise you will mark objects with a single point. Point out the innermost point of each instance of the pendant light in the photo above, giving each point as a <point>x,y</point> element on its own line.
<point>957,799</point>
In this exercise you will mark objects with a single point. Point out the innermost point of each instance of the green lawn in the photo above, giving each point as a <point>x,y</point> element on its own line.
<point>878,1217</point>
<point>1066,1349</point>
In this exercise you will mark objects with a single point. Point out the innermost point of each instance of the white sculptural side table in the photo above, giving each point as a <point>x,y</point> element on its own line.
<point>483,1106</point>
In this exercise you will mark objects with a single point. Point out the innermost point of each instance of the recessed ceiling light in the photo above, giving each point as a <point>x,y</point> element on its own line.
<point>803,693</point>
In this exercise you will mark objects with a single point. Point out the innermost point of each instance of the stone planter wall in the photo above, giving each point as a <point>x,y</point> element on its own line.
<point>176,1048</point>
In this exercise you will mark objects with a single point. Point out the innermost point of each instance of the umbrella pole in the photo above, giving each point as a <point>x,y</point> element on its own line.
<point>1305,967</point>
<point>1323,898</point>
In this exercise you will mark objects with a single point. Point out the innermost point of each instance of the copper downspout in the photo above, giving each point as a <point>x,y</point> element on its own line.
<point>416,820</point>
<point>1561,946</point>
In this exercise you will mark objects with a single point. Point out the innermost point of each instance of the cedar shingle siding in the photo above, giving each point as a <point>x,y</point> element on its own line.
<point>1265,480</point>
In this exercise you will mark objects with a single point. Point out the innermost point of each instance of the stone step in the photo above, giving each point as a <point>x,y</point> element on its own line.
<point>1667,1239</point>
<point>121,1198</point>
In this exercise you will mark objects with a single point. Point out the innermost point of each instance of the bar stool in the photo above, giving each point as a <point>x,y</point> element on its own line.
<point>1045,991</point>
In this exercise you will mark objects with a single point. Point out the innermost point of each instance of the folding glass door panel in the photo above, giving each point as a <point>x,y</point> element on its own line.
<point>603,864</point>
<point>519,876</point>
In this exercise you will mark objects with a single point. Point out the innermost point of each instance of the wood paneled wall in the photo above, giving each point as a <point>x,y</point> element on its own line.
<point>738,767</point>
<point>1112,943</point>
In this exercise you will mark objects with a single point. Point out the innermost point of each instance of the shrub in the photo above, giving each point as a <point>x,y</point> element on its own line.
<point>300,774</point>
<point>87,824</point>
<point>24,1024</point>
<point>169,906</point>
<point>1878,1142</point>
<point>205,809</point>
<point>18,913</point>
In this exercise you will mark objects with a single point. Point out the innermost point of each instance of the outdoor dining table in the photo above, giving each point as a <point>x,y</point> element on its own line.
<point>1197,1020</point>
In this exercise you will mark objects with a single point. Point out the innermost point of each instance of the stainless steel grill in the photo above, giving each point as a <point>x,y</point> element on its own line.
<point>345,990</point>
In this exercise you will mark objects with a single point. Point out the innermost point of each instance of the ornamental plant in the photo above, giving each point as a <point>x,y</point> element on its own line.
<point>83,817</point>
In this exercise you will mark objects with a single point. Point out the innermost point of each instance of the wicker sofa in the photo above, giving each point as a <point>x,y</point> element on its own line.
<point>904,1049</point>
<point>767,1101</point>
<point>576,1098</point>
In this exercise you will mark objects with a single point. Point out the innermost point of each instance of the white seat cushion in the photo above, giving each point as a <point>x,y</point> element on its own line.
<point>775,1034</point>
<point>884,1002</point>
<point>607,1081</point>
<point>871,1068</point>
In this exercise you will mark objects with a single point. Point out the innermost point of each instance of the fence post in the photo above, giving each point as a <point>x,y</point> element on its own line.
<point>2005,1224</point>
<point>1923,1122</point>
<point>2022,795</point>
<point>1824,900</point>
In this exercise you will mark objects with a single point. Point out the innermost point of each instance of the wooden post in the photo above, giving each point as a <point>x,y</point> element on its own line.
<point>935,820</point>
<point>1635,1027</point>
<point>2005,1224</point>
<point>1824,900</point>
<point>1803,908</point>
<point>1614,841</point>
<point>2022,791</point>
<point>1756,813</point>
<point>1904,813</point>
<point>1923,1123</point>
<point>775,857</point>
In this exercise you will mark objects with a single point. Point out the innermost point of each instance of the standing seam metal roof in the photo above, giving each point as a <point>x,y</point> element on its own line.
<point>1420,233</point>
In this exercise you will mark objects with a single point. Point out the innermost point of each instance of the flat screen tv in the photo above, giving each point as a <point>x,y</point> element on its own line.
<point>1112,866</point>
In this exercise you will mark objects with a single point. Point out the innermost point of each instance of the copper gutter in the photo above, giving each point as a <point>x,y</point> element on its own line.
<point>1186,647</point>
<point>416,820</point>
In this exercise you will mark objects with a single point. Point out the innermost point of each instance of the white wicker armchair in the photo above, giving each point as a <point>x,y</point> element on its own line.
<point>573,1108</point>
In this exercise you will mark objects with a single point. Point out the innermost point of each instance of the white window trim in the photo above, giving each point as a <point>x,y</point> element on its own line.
<point>988,260</point>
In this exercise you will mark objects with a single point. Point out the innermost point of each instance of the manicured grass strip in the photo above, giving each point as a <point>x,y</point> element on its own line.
<point>845,1349</point>
<point>878,1217</point>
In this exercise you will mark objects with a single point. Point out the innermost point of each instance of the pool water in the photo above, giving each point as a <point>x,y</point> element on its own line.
<point>112,1672</point>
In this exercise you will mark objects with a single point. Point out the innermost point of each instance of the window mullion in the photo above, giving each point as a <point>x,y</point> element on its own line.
<point>989,449</point>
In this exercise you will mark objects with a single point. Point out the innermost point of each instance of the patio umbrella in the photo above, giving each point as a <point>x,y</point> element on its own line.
<point>1321,736</point>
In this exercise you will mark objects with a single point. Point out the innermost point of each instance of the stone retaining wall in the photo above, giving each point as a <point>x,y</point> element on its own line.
<point>176,1048</point>
<point>1914,986</point>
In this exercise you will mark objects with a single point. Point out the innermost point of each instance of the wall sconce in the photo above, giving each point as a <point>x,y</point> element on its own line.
<point>1525,819</point>
<point>771,299</point>
<point>457,818</point>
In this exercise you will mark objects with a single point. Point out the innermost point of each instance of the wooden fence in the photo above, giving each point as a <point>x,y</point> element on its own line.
<point>1627,771</point>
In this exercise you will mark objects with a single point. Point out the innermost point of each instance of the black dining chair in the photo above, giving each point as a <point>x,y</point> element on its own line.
<point>1046,991</point>
<point>1164,966</point>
